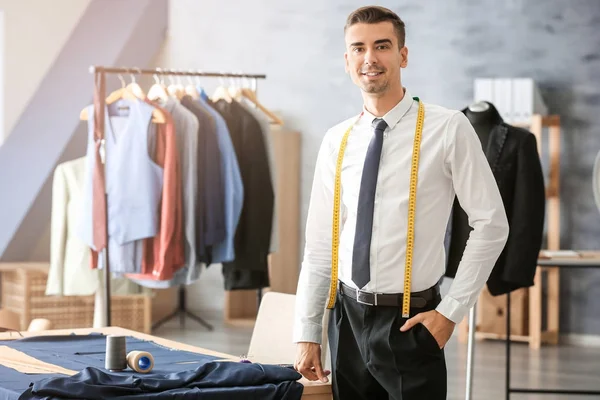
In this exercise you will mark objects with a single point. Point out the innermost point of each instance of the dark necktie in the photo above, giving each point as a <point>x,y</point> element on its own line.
<point>361,274</point>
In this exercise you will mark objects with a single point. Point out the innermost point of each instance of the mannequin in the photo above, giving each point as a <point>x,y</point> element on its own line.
<point>515,162</point>
<point>484,117</point>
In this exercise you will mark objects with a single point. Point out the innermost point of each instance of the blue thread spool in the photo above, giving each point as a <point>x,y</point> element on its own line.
<point>144,363</point>
<point>140,361</point>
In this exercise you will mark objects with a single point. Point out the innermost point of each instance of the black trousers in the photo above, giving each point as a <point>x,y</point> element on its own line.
<point>372,360</point>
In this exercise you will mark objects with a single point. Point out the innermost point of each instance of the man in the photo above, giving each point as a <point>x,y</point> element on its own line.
<point>376,351</point>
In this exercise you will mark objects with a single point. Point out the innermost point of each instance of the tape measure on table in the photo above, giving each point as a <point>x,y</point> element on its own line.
<point>411,213</point>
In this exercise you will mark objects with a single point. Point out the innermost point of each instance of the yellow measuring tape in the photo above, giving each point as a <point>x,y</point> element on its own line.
<point>335,245</point>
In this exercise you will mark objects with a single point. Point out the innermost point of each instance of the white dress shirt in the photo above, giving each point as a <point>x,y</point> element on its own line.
<point>452,162</point>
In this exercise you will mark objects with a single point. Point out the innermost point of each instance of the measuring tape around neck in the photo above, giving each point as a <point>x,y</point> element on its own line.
<point>335,245</point>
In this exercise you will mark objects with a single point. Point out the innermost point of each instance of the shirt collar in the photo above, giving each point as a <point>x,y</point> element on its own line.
<point>393,116</point>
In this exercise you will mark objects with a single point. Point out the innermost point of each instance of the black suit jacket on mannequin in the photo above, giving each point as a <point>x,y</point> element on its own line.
<point>514,159</point>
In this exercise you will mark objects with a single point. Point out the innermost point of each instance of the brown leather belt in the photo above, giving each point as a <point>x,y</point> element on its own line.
<point>417,299</point>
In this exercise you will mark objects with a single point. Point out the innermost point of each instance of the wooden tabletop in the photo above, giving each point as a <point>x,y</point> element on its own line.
<point>576,258</point>
<point>312,390</point>
<point>29,266</point>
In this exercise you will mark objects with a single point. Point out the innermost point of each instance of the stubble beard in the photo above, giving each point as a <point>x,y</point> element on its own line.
<point>375,87</point>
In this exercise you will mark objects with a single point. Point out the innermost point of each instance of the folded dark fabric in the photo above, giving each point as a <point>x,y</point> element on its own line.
<point>212,381</point>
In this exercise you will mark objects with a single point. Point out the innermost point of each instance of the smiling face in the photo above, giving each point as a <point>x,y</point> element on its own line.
<point>374,57</point>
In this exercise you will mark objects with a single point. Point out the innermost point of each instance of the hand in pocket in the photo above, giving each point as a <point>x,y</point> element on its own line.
<point>439,327</point>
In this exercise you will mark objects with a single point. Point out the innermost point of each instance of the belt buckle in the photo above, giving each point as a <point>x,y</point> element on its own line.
<point>358,292</point>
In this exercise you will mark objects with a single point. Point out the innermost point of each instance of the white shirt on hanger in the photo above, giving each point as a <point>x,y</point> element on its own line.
<point>452,162</point>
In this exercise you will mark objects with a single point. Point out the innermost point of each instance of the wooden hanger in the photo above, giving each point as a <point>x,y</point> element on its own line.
<point>175,90</point>
<point>236,93</point>
<point>125,93</point>
<point>136,89</point>
<point>221,93</point>
<point>251,95</point>
<point>191,89</point>
<point>158,91</point>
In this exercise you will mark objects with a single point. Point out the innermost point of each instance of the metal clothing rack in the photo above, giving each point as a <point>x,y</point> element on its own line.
<point>99,73</point>
<point>182,312</point>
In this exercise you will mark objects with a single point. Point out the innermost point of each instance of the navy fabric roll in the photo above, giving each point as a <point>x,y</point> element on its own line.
<point>181,373</point>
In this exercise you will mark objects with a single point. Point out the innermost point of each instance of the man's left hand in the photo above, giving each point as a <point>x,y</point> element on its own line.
<point>440,327</point>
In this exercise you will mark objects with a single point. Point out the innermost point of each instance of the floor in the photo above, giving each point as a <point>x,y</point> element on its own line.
<point>564,367</point>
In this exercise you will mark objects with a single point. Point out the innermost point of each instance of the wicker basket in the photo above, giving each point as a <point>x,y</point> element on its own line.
<point>23,291</point>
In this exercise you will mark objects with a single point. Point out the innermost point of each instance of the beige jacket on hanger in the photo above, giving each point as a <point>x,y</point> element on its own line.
<point>70,273</point>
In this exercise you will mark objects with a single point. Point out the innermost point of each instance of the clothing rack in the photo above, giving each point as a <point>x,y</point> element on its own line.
<point>100,73</point>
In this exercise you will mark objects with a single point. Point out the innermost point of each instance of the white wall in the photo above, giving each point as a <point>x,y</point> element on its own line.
<point>1,76</point>
<point>34,33</point>
<point>299,45</point>
<point>48,131</point>
<point>304,68</point>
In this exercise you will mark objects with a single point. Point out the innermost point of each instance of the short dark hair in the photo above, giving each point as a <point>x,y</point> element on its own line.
<point>374,15</point>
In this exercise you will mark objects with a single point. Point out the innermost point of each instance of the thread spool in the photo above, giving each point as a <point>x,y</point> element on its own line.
<point>116,353</point>
<point>140,361</point>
